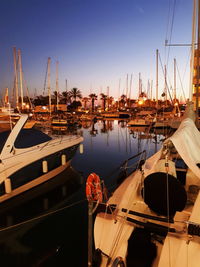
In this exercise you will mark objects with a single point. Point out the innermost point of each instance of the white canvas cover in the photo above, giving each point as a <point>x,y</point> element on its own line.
<point>187,142</point>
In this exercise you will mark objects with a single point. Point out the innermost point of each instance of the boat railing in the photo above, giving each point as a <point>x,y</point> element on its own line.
<point>136,164</point>
<point>59,141</point>
<point>49,143</point>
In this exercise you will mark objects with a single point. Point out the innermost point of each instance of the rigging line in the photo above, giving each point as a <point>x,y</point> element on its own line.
<point>166,81</point>
<point>170,36</point>
<point>27,91</point>
<point>168,19</point>
<point>145,144</point>
<point>120,228</point>
<point>123,222</point>
<point>102,227</point>
<point>181,82</point>
<point>42,216</point>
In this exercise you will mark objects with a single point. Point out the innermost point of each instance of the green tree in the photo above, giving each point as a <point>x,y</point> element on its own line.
<point>75,93</point>
<point>54,98</point>
<point>93,97</point>
<point>123,100</point>
<point>65,98</point>
<point>85,100</point>
<point>41,100</point>
<point>110,102</point>
<point>104,98</point>
<point>74,106</point>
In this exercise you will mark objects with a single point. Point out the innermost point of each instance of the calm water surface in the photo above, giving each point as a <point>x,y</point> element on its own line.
<point>47,226</point>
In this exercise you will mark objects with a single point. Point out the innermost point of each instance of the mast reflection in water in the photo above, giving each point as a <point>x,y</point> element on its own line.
<point>47,226</point>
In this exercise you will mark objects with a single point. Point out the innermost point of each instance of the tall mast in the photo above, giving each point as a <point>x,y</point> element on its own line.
<point>127,86</point>
<point>67,98</point>
<point>66,84</point>
<point>119,87</point>
<point>130,89</point>
<point>57,88</point>
<point>174,79</point>
<point>192,50</point>
<point>165,83</point>
<point>140,89</point>
<point>6,99</point>
<point>119,92</point>
<point>21,79</point>
<point>198,57</point>
<point>148,90</point>
<point>156,78</point>
<point>48,84</point>
<point>16,77</point>
<point>108,101</point>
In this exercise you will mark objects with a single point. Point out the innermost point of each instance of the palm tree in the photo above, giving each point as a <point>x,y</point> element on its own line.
<point>54,97</point>
<point>93,97</point>
<point>104,98</point>
<point>75,93</point>
<point>110,101</point>
<point>85,100</point>
<point>143,94</point>
<point>66,99</point>
<point>41,100</point>
<point>123,100</point>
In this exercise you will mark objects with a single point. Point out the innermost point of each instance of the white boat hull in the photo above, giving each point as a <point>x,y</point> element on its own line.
<point>30,157</point>
<point>166,214</point>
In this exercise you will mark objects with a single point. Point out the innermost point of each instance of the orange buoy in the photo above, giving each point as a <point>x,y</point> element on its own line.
<point>93,188</point>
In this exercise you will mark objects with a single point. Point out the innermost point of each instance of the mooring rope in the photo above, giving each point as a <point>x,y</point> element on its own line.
<point>42,216</point>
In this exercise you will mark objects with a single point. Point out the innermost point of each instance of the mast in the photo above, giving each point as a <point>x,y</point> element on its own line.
<point>57,88</point>
<point>198,56</point>
<point>16,77</point>
<point>48,84</point>
<point>165,83</point>
<point>31,107</point>
<point>119,88</point>
<point>192,50</point>
<point>108,100</point>
<point>130,90</point>
<point>174,80</point>
<point>148,90</point>
<point>6,99</point>
<point>66,84</point>
<point>67,95</point>
<point>156,78</point>
<point>127,86</point>
<point>140,86</point>
<point>21,79</point>
<point>119,92</point>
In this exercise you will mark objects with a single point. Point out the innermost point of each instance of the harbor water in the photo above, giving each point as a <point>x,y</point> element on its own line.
<point>47,226</point>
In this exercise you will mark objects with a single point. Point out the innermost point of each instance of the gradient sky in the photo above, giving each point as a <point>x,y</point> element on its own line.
<point>97,42</point>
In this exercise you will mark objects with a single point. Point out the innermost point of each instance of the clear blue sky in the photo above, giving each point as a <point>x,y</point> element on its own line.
<point>97,42</point>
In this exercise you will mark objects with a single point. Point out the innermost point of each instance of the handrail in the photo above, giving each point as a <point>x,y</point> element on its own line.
<point>138,163</point>
<point>137,155</point>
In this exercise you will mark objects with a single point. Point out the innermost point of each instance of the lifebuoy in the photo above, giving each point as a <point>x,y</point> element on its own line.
<point>93,188</point>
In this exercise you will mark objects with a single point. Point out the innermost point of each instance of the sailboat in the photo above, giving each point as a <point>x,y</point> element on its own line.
<point>152,218</point>
<point>29,157</point>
